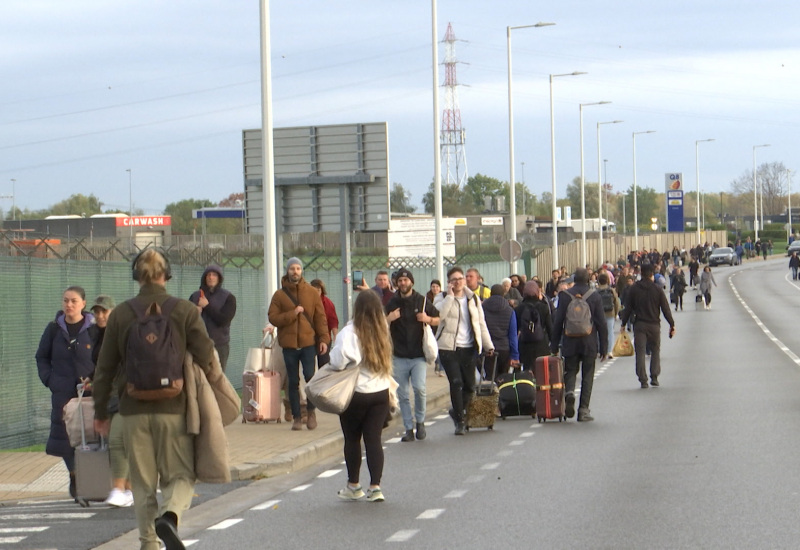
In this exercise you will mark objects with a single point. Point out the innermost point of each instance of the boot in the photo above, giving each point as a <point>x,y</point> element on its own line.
<point>408,437</point>
<point>297,424</point>
<point>421,433</point>
<point>73,491</point>
<point>311,421</point>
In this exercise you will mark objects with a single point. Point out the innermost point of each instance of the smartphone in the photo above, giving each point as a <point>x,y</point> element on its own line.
<point>358,279</point>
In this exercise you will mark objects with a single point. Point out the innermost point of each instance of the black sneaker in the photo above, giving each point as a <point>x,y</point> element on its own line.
<point>421,433</point>
<point>644,385</point>
<point>569,400</point>
<point>167,531</point>
<point>408,437</point>
<point>461,428</point>
<point>654,383</point>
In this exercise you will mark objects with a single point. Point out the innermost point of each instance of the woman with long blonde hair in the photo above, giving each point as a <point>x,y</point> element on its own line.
<point>365,342</point>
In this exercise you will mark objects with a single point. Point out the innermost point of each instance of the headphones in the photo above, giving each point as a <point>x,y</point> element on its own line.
<point>135,269</point>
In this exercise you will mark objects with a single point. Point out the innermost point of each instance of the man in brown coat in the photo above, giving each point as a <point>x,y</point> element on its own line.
<point>297,311</point>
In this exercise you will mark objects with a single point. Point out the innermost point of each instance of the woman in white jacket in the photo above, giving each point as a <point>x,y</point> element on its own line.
<point>365,342</point>
<point>462,335</point>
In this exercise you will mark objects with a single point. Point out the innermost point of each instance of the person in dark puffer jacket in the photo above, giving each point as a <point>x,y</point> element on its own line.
<point>502,325</point>
<point>217,307</point>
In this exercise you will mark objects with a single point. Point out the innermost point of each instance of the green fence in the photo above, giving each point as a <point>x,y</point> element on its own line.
<point>30,295</point>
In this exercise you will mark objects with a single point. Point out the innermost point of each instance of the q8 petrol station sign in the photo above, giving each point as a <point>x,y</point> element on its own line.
<point>674,197</point>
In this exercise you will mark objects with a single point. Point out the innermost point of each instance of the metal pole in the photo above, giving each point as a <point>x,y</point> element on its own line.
<point>789,180</point>
<point>272,260</point>
<point>755,191</point>
<point>437,162</point>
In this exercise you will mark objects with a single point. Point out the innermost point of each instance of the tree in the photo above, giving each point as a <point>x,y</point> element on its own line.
<point>453,201</point>
<point>399,200</point>
<point>649,205</point>
<point>771,182</point>
<point>480,186</point>
<point>181,212</point>
<point>574,198</point>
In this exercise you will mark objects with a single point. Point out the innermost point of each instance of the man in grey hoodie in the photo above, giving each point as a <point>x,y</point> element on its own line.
<point>217,307</point>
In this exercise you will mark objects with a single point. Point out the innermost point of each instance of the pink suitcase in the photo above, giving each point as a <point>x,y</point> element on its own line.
<point>261,396</point>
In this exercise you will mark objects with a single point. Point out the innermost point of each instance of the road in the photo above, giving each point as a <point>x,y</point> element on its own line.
<point>705,461</point>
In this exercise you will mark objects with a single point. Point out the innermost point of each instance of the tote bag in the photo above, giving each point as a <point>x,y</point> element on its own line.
<point>258,359</point>
<point>430,346</point>
<point>332,390</point>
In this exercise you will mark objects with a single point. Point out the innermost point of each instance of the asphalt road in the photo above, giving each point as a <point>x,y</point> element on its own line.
<point>708,460</point>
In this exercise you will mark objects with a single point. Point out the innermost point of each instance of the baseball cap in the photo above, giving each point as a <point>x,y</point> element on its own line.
<point>104,302</point>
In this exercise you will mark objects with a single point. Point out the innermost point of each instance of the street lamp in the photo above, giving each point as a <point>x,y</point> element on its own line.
<point>130,204</point>
<point>697,179</point>
<point>635,198</point>
<point>524,192</point>
<point>512,183</point>
<point>755,190</point>
<point>600,192</point>
<point>583,182</point>
<point>789,181</point>
<point>13,199</point>
<point>553,164</point>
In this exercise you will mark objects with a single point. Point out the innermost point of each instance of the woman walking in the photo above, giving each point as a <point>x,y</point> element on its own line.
<point>706,279</point>
<point>330,316</point>
<point>533,342</point>
<point>64,360</point>
<point>364,343</point>
<point>677,285</point>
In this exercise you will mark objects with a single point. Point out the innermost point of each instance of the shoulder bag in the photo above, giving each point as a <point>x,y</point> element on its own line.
<point>430,346</point>
<point>332,390</point>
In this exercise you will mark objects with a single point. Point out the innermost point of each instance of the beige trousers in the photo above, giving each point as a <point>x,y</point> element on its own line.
<point>160,452</point>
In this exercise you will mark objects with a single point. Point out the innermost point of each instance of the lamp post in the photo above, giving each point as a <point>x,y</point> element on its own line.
<point>635,198</point>
<point>755,190</point>
<point>511,180</point>
<point>13,199</point>
<point>524,192</point>
<point>789,181</point>
<point>600,192</point>
<point>130,204</point>
<point>583,183</point>
<point>553,164</point>
<point>697,179</point>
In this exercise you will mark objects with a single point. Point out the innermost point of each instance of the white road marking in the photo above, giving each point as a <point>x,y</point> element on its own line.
<point>441,417</point>
<point>403,535</point>
<point>73,515</point>
<point>490,466</point>
<point>516,443</point>
<point>433,513</point>
<point>475,479</point>
<point>301,488</point>
<point>265,505</point>
<point>8,530</point>
<point>505,453</point>
<point>12,540</point>
<point>458,493</point>
<point>393,440</point>
<point>430,422</point>
<point>224,524</point>
<point>329,473</point>
<point>783,347</point>
<point>526,434</point>
<point>191,542</point>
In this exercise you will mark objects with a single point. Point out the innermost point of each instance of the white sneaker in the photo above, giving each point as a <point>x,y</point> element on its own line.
<point>119,498</point>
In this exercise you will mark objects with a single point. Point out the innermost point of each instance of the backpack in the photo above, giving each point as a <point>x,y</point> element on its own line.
<point>578,321</point>
<point>608,299</point>
<point>153,362</point>
<point>530,325</point>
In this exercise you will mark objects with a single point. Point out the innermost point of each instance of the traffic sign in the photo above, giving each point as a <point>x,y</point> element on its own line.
<point>511,250</point>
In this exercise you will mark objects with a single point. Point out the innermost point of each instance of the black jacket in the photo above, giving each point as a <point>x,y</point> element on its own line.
<point>497,313</point>
<point>221,308</point>
<point>586,345</point>
<point>645,299</point>
<point>406,331</point>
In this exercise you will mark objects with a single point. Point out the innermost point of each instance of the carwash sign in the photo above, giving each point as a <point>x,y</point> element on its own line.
<point>144,221</point>
<point>674,197</point>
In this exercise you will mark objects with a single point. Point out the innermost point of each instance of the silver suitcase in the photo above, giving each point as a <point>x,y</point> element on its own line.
<point>92,466</point>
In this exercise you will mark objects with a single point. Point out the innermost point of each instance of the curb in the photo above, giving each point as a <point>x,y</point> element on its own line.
<point>313,452</point>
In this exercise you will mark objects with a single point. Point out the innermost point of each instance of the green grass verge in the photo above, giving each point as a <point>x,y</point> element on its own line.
<point>31,449</point>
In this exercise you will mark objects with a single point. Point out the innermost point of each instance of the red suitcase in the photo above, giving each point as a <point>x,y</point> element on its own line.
<point>261,396</point>
<point>549,373</point>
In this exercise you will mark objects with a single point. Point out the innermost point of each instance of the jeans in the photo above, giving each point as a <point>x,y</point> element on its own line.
<point>459,365</point>
<point>414,370</point>
<point>794,273</point>
<point>293,358</point>
<point>610,324</point>
<point>584,363</point>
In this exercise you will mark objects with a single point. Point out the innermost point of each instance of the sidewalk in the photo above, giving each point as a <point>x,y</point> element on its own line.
<point>256,451</point>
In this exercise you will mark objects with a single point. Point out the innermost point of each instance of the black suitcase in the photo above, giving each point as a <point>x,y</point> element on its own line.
<point>517,394</point>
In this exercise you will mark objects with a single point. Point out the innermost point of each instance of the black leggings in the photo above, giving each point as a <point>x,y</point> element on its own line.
<point>364,418</point>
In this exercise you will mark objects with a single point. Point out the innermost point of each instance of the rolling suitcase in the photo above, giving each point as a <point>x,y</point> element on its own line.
<point>549,372</point>
<point>517,394</point>
<point>261,396</point>
<point>92,465</point>
<point>482,409</point>
<point>699,301</point>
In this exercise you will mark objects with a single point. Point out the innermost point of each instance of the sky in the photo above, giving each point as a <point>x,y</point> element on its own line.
<point>93,89</point>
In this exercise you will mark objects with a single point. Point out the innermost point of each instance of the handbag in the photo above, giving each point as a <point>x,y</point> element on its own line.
<point>258,359</point>
<point>79,419</point>
<point>430,347</point>
<point>623,347</point>
<point>331,390</point>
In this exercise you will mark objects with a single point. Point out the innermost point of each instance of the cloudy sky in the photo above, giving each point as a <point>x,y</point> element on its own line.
<point>164,88</point>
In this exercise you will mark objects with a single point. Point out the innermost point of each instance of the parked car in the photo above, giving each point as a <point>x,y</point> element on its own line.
<point>723,255</point>
<point>794,247</point>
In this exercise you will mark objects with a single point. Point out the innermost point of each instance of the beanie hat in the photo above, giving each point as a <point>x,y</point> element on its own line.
<point>531,289</point>
<point>403,272</point>
<point>293,261</point>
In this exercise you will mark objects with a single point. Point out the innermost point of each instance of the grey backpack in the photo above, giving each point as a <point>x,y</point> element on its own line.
<point>578,322</point>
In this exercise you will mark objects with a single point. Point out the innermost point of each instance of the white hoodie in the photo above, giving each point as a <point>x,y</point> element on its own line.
<point>346,352</point>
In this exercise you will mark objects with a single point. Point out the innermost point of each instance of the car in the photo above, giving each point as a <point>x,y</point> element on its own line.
<point>723,255</point>
<point>794,247</point>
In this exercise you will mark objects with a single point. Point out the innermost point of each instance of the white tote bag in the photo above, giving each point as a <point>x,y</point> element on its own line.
<point>258,359</point>
<point>430,346</point>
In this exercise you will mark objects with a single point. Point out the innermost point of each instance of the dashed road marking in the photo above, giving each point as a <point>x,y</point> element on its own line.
<point>441,417</point>
<point>301,488</point>
<point>12,540</point>
<point>46,515</point>
<point>9,530</point>
<point>328,473</point>
<point>475,479</point>
<point>393,440</point>
<point>224,524</point>
<point>516,443</point>
<point>458,493</point>
<point>191,542</point>
<point>265,505</point>
<point>490,466</point>
<point>505,453</point>
<point>433,513</point>
<point>526,434</point>
<point>402,535</point>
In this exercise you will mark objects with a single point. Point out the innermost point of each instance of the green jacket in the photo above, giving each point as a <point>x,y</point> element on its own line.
<point>187,327</point>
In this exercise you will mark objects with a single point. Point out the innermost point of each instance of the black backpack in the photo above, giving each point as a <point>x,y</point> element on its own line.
<point>153,362</point>
<point>608,299</point>
<point>530,325</point>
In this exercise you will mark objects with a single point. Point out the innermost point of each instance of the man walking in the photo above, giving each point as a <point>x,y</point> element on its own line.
<point>406,313</point>
<point>217,307</point>
<point>475,284</point>
<point>297,310</point>
<point>583,325</point>
<point>645,299</point>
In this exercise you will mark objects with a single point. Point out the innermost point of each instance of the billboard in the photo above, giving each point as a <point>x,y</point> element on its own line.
<point>674,197</point>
